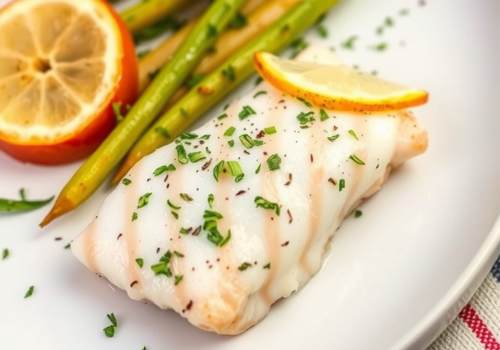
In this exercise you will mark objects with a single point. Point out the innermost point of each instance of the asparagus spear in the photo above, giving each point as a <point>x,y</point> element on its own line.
<point>95,169</point>
<point>147,12</point>
<point>195,103</point>
<point>155,59</point>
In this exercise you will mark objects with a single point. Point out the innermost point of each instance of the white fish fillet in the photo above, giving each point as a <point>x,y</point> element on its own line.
<point>320,181</point>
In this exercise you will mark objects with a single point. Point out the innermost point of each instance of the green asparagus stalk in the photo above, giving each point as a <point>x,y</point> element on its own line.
<point>148,12</point>
<point>193,105</point>
<point>98,166</point>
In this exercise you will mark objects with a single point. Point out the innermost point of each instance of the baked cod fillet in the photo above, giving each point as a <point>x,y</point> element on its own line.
<point>238,214</point>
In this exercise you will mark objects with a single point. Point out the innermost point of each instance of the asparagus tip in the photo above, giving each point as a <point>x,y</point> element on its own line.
<point>61,206</point>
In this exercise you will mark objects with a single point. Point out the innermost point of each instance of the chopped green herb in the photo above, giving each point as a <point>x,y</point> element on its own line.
<point>188,136</point>
<point>162,131</point>
<point>143,200</point>
<point>195,157</point>
<point>194,80</point>
<point>112,318</point>
<point>162,169</point>
<point>211,30</point>
<point>258,80</point>
<point>274,162</point>
<point>244,266</point>
<point>297,46</point>
<point>134,216</point>
<point>270,130</point>
<point>246,112</point>
<point>109,331</point>
<point>226,239</point>
<point>181,154</point>
<point>358,213</point>
<point>349,43</point>
<point>230,143</point>
<point>305,102</point>
<point>389,22</point>
<point>29,292</point>
<point>235,170</point>
<point>353,134</point>
<point>162,268</point>
<point>210,200</point>
<point>117,110</point>
<point>178,279</point>
<point>258,93</point>
<point>258,169</point>
<point>212,214</point>
<point>404,12</point>
<point>178,254</point>
<point>230,131</point>
<point>126,181</point>
<point>264,203</point>
<point>185,231</point>
<point>218,169</point>
<point>172,205</point>
<point>341,185</point>
<point>305,118</point>
<point>238,21</point>
<point>140,262</point>
<point>67,246</point>
<point>323,115</point>
<point>380,47</point>
<point>356,159</point>
<point>222,116</point>
<point>168,23</point>
<point>333,137</point>
<point>267,266</point>
<point>186,197</point>
<point>229,73</point>
<point>248,142</point>
<point>5,253</point>
<point>322,31</point>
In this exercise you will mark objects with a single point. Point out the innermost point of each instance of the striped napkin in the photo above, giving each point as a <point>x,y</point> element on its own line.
<point>478,324</point>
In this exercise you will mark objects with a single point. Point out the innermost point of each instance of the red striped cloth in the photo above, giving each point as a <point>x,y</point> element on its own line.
<point>478,324</point>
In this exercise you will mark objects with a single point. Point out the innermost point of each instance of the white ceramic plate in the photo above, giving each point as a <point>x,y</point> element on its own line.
<point>394,277</point>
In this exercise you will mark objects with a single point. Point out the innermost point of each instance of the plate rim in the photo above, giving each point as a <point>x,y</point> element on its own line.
<point>424,332</point>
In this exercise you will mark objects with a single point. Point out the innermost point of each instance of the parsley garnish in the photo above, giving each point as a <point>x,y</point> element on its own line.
<point>5,253</point>
<point>134,216</point>
<point>305,118</point>
<point>140,262</point>
<point>162,267</point>
<point>210,200</point>
<point>358,213</point>
<point>109,331</point>
<point>126,181</point>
